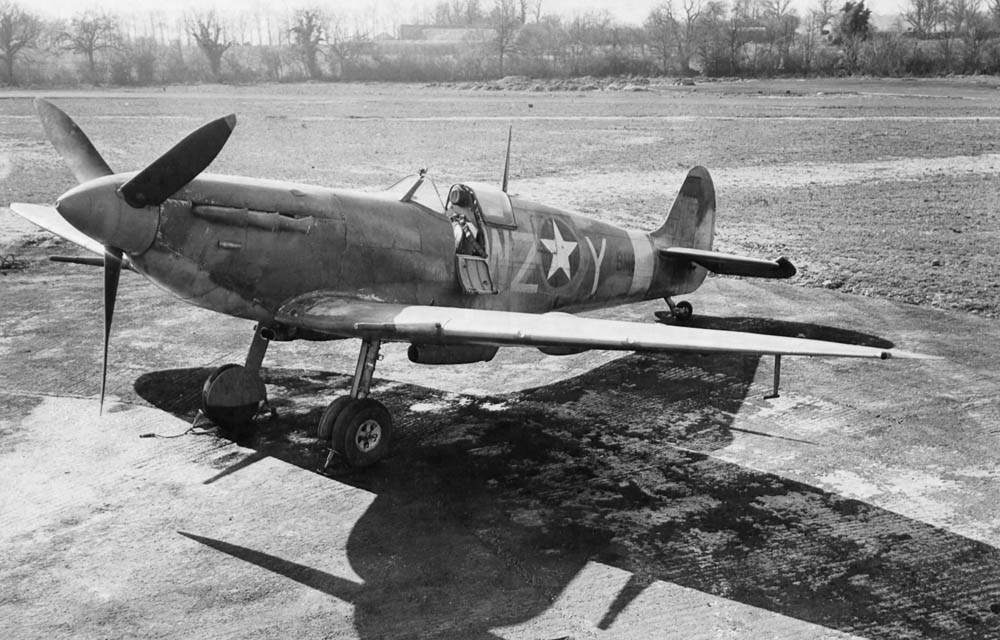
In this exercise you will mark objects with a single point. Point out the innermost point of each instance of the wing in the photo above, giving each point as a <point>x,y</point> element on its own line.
<point>345,317</point>
<point>49,219</point>
<point>732,265</point>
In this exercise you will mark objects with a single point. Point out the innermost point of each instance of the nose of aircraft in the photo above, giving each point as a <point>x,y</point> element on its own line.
<point>96,209</point>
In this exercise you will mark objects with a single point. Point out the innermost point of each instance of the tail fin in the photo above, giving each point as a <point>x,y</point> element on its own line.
<point>690,224</point>
<point>691,221</point>
<point>683,245</point>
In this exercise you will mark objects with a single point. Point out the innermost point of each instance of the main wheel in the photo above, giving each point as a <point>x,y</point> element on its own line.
<point>232,396</point>
<point>362,432</point>
<point>324,430</point>
<point>683,311</point>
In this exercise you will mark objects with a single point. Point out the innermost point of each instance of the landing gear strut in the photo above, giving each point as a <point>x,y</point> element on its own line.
<point>359,428</point>
<point>679,311</point>
<point>234,394</point>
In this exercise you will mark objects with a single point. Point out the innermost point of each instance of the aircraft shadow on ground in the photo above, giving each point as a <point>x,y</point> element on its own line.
<point>488,507</point>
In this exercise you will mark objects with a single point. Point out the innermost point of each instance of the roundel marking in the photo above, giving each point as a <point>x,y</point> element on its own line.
<point>561,255</point>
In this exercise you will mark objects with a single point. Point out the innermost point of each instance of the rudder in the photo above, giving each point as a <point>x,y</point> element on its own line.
<point>691,221</point>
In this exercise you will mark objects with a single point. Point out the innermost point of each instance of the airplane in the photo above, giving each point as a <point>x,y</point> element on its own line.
<point>456,280</point>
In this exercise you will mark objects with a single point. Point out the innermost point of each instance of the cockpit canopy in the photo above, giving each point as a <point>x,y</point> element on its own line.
<point>493,204</point>
<point>487,200</point>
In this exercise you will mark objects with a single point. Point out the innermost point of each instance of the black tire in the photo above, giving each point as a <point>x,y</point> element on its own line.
<point>221,383</point>
<point>683,311</point>
<point>362,432</point>
<point>324,430</point>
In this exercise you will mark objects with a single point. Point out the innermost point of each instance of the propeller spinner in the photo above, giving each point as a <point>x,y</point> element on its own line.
<point>124,219</point>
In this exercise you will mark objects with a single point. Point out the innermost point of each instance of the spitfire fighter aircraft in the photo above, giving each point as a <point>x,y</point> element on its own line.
<point>456,280</point>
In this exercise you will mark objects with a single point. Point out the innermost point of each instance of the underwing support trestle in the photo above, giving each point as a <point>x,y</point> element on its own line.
<point>777,378</point>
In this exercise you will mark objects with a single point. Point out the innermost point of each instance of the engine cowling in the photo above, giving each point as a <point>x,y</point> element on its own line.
<point>450,354</point>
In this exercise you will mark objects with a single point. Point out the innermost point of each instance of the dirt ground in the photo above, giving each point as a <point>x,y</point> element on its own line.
<point>593,496</point>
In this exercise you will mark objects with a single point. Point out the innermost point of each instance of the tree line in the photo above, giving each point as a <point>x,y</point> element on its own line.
<point>484,40</point>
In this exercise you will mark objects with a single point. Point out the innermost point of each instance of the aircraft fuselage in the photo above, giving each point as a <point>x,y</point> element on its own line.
<point>244,246</point>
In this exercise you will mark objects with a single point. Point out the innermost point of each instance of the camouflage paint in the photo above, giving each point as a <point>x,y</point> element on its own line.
<point>244,246</point>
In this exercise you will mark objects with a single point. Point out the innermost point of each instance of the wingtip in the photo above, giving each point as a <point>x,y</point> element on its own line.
<point>230,121</point>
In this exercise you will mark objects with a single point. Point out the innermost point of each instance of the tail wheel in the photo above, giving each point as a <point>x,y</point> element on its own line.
<point>362,432</point>
<point>683,311</point>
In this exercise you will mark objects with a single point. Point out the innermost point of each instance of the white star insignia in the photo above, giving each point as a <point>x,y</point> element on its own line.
<point>561,250</point>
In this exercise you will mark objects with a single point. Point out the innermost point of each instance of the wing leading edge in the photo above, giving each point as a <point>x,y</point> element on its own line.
<point>345,317</point>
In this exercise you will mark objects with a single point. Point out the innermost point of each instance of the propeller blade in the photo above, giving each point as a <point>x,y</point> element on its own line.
<point>71,142</point>
<point>112,271</point>
<point>178,166</point>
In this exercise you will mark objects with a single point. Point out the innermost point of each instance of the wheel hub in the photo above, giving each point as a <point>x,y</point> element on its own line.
<point>368,435</point>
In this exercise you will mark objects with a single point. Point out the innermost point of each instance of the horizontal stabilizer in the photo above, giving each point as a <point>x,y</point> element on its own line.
<point>732,265</point>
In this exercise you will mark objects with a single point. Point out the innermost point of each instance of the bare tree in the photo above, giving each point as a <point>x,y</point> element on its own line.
<point>811,37</point>
<point>972,27</point>
<point>19,31</point>
<point>535,7</point>
<point>529,8</point>
<point>780,24</point>
<point>457,13</point>
<point>690,21</point>
<point>208,34</point>
<point>740,18</point>
<point>144,54</point>
<point>441,14</point>
<point>924,16</point>
<point>956,16</point>
<point>308,35</point>
<point>345,49</point>
<point>679,29</point>
<point>505,22</point>
<point>661,29</point>
<point>824,14</point>
<point>470,11</point>
<point>711,38</point>
<point>89,34</point>
<point>543,45</point>
<point>684,25</point>
<point>585,35</point>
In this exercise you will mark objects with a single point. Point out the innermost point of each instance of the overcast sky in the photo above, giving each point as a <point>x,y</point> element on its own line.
<point>384,11</point>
